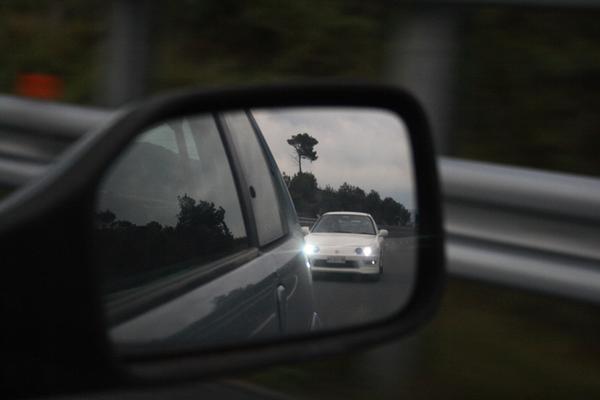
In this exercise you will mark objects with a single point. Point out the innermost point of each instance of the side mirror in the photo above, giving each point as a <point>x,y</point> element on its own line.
<point>383,232</point>
<point>174,228</point>
<point>305,230</point>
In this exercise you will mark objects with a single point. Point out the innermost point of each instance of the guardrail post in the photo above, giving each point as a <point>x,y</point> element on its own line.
<point>422,60</point>
<point>127,55</point>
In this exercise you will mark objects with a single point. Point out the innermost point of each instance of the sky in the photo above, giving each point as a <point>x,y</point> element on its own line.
<point>368,148</point>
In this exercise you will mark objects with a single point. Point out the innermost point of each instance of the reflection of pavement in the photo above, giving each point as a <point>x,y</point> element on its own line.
<point>343,300</point>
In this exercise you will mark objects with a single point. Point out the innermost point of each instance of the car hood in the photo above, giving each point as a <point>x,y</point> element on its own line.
<point>324,240</point>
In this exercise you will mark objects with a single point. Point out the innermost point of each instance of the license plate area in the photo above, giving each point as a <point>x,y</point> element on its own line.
<point>336,260</point>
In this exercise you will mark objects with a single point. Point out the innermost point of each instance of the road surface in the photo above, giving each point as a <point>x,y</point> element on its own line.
<point>342,300</point>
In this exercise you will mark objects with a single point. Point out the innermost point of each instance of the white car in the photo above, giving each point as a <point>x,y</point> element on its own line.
<point>345,242</point>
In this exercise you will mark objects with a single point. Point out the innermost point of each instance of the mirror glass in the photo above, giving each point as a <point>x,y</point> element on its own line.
<point>244,225</point>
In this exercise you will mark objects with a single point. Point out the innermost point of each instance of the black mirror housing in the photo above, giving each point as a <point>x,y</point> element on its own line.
<point>52,296</point>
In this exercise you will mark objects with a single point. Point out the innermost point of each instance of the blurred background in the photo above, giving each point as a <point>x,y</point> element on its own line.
<point>510,84</point>
<point>515,85</point>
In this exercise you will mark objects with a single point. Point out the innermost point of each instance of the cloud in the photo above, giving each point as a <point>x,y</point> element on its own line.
<point>365,147</point>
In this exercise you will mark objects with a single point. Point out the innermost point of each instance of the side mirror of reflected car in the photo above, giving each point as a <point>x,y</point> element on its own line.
<point>383,232</point>
<point>305,230</point>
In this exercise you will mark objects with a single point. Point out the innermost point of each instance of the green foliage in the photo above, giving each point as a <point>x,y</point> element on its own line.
<point>351,198</point>
<point>304,147</point>
<point>394,213</point>
<point>226,41</point>
<point>303,189</point>
<point>202,218</point>
<point>329,200</point>
<point>142,253</point>
<point>304,185</point>
<point>373,205</point>
<point>206,42</point>
<point>310,200</point>
<point>54,37</point>
<point>529,89</point>
<point>105,218</point>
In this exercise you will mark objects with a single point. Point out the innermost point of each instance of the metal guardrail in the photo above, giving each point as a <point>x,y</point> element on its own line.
<point>515,226</point>
<point>33,133</point>
<point>522,227</point>
<point>48,120</point>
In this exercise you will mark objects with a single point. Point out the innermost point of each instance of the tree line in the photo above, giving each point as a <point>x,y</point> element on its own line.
<point>311,201</point>
<point>131,254</point>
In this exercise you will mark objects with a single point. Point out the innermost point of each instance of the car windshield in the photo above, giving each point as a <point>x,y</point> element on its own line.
<point>345,223</point>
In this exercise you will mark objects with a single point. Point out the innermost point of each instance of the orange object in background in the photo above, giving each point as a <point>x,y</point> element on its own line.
<point>40,86</point>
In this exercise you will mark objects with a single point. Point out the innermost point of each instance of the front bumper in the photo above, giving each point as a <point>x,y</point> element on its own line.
<point>351,264</point>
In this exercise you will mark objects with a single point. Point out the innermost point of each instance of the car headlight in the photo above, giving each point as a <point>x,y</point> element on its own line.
<point>310,249</point>
<point>365,251</point>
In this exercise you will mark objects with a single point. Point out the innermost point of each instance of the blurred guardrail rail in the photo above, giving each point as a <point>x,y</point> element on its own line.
<point>516,226</point>
<point>33,133</point>
<point>523,227</point>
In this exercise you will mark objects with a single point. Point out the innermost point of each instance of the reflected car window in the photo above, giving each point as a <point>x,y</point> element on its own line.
<point>260,178</point>
<point>168,205</point>
<point>345,224</point>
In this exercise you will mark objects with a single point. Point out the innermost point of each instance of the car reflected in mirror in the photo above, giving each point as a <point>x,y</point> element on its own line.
<point>345,243</point>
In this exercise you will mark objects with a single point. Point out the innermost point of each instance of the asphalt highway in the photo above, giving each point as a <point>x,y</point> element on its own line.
<point>345,300</point>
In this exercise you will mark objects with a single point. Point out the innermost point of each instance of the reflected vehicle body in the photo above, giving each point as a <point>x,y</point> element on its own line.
<point>197,239</point>
<point>345,242</point>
